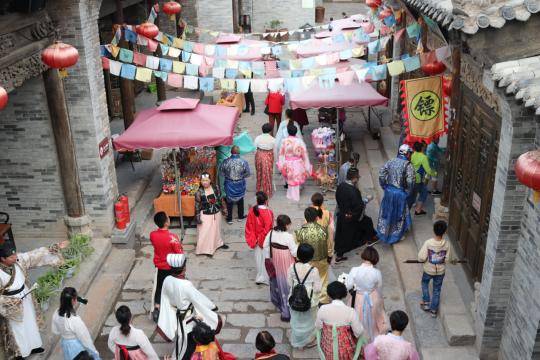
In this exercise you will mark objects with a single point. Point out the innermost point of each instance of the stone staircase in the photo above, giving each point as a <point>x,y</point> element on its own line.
<point>99,280</point>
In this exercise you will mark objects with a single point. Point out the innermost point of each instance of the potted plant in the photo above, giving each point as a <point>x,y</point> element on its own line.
<point>273,25</point>
<point>47,285</point>
<point>70,266</point>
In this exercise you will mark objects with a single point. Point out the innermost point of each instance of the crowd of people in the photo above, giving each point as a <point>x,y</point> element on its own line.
<point>344,317</point>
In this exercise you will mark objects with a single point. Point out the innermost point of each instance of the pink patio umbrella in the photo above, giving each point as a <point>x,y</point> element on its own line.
<point>340,96</point>
<point>180,123</point>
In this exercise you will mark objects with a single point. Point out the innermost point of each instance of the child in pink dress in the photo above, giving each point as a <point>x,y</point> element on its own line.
<point>392,346</point>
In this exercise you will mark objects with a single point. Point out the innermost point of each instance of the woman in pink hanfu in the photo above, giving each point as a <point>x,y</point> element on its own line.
<point>293,163</point>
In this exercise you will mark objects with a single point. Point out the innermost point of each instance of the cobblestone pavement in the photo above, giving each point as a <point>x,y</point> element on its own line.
<point>228,277</point>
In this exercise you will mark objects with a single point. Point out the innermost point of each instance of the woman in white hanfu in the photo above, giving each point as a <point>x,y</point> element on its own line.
<point>18,318</point>
<point>181,302</point>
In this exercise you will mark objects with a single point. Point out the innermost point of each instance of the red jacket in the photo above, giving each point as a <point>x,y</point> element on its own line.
<point>164,243</point>
<point>275,102</point>
<point>258,226</point>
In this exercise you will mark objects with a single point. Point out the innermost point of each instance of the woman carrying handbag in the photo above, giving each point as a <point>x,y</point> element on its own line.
<point>280,251</point>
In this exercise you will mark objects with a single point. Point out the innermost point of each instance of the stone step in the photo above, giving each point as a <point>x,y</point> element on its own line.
<point>81,281</point>
<point>102,293</point>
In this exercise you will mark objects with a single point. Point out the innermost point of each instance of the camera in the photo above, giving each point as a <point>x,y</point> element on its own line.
<point>82,300</point>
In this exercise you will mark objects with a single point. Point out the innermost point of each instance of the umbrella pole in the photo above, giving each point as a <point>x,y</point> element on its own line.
<point>338,144</point>
<point>178,194</point>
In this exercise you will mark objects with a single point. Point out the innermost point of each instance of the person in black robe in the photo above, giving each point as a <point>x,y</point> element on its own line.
<point>354,228</point>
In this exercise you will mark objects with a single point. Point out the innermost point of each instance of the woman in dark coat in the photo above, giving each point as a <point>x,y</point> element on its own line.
<point>354,228</point>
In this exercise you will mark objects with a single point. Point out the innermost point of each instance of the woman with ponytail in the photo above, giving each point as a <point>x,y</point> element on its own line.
<point>127,342</point>
<point>75,337</point>
<point>259,222</point>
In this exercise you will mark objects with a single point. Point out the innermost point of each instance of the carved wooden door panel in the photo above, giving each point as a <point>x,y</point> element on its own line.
<point>474,142</point>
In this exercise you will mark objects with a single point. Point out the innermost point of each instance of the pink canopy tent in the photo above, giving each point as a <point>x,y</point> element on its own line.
<point>340,96</point>
<point>180,124</point>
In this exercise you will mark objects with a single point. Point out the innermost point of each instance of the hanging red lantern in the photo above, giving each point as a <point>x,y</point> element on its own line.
<point>373,4</point>
<point>528,171</point>
<point>148,29</point>
<point>60,56</point>
<point>172,8</point>
<point>3,98</point>
<point>433,68</point>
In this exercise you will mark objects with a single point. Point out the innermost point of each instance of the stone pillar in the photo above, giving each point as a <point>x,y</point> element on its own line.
<point>77,22</point>
<point>503,240</point>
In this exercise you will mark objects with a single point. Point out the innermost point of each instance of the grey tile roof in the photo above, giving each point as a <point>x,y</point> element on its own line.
<point>521,78</point>
<point>471,15</point>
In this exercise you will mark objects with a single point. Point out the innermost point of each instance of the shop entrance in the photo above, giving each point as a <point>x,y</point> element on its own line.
<point>474,145</point>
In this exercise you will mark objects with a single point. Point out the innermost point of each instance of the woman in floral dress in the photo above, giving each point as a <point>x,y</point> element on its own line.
<point>293,163</point>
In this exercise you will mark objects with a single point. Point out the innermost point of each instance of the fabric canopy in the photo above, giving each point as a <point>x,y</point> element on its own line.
<point>340,96</point>
<point>206,125</point>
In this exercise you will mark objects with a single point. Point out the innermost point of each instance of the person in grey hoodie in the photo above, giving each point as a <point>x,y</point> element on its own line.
<point>434,254</point>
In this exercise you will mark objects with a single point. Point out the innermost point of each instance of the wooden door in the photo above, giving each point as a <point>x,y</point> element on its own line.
<point>474,144</point>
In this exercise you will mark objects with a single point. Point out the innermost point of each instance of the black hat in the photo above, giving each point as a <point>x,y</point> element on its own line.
<point>7,248</point>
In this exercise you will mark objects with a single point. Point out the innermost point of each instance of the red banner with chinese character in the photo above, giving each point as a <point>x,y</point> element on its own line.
<point>424,105</point>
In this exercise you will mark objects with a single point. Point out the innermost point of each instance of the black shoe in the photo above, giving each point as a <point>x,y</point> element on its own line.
<point>155,315</point>
<point>286,186</point>
<point>340,259</point>
<point>224,247</point>
<point>38,350</point>
<point>436,193</point>
<point>420,213</point>
<point>253,113</point>
<point>245,110</point>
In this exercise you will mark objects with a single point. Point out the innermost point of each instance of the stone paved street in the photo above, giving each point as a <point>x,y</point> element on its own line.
<point>228,277</point>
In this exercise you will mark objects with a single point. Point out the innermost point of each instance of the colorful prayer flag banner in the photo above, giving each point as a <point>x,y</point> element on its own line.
<point>423,101</point>
<point>413,30</point>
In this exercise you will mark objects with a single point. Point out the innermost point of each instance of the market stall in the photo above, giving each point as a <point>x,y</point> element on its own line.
<point>324,139</point>
<point>193,128</point>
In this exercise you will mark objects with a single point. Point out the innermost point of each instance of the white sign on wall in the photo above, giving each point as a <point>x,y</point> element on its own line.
<point>308,4</point>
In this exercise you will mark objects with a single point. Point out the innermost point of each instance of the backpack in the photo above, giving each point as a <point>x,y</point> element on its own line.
<point>299,299</point>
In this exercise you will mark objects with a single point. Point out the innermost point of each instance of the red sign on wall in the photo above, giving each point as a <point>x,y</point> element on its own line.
<point>104,147</point>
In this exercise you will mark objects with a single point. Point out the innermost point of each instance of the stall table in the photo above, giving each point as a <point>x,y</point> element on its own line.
<point>168,203</point>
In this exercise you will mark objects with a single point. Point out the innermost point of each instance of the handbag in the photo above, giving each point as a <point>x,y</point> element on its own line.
<point>268,263</point>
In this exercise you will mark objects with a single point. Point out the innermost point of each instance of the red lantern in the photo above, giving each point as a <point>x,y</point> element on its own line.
<point>60,56</point>
<point>433,68</point>
<point>3,98</point>
<point>172,8</point>
<point>528,171</point>
<point>385,13</point>
<point>148,29</point>
<point>373,4</point>
<point>447,85</point>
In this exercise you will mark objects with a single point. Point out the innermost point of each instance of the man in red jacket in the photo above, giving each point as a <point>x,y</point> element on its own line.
<point>274,102</point>
<point>164,243</point>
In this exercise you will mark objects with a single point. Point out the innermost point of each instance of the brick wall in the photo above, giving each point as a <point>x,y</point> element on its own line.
<point>523,313</point>
<point>215,15</point>
<point>30,187</point>
<point>86,100</point>
<point>290,12</point>
<point>508,206</point>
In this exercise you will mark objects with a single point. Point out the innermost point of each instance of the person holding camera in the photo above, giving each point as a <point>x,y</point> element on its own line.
<point>18,318</point>
<point>75,337</point>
